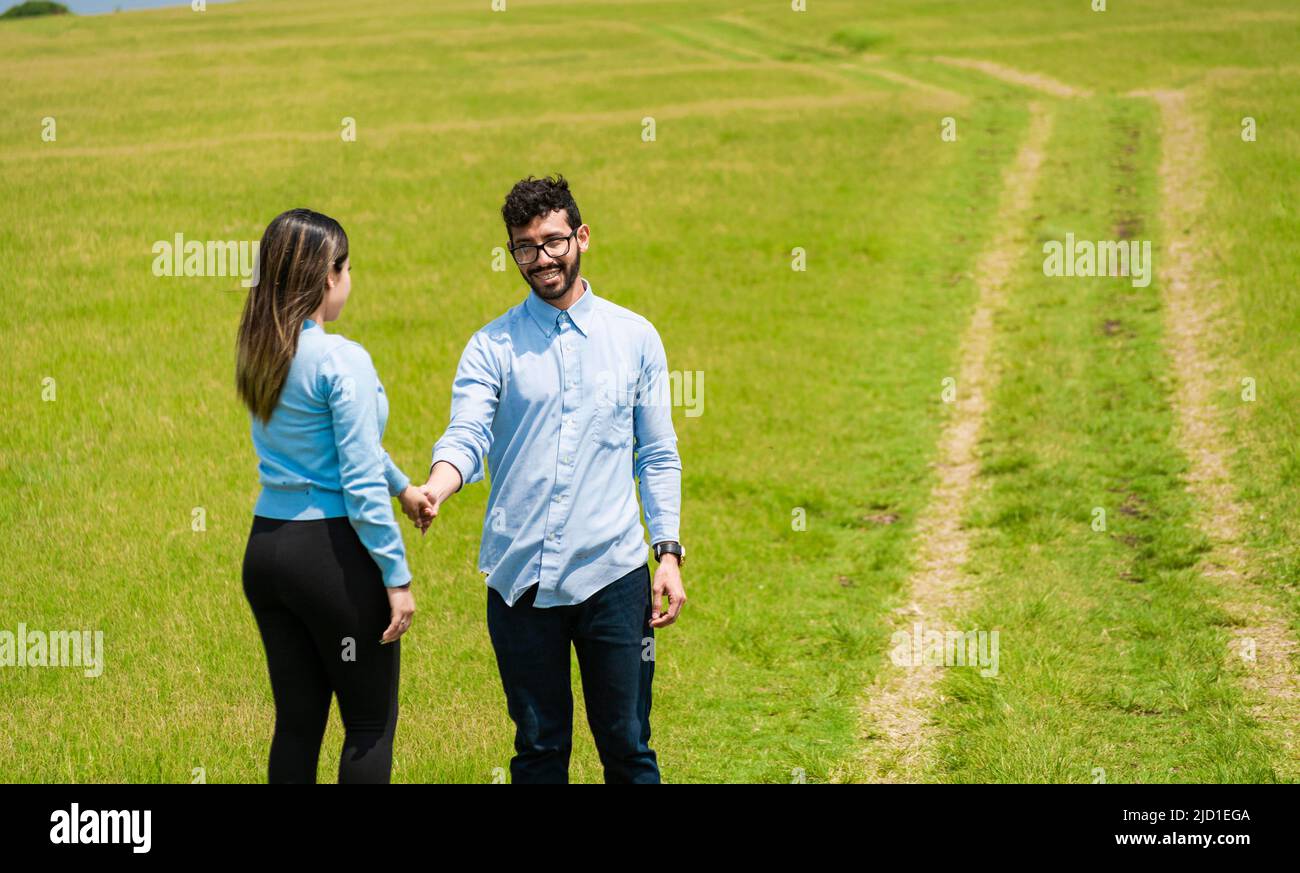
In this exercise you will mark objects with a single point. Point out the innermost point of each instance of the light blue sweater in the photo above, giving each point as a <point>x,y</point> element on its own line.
<point>321,457</point>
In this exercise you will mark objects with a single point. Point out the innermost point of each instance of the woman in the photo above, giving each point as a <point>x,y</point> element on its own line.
<point>325,569</point>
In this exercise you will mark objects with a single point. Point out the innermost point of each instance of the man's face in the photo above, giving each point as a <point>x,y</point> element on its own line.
<point>550,276</point>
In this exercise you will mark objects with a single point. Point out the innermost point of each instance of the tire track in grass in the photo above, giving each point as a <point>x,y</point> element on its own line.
<point>899,735</point>
<point>770,50</point>
<point>1033,81</point>
<point>379,134</point>
<point>862,66</point>
<point>862,69</point>
<point>692,40</point>
<point>1193,322</point>
<point>1203,24</point>
<point>1111,661</point>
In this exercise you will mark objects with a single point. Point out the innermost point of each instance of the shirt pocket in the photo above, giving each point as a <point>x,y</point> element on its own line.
<point>614,425</point>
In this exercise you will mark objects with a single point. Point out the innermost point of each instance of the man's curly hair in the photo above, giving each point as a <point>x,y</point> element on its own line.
<point>533,197</point>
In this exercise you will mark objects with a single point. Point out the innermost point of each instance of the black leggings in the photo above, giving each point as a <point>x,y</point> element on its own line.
<point>321,607</point>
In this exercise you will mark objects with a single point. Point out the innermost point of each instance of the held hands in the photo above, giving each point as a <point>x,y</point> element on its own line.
<point>444,480</point>
<point>414,504</point>
<point>668,580</point>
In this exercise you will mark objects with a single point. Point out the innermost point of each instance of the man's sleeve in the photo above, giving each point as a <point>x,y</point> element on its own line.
<point>657,467</point>
<point>474,397</point>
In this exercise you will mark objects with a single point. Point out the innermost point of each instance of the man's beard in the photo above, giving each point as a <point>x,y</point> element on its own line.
<point>570,275</point>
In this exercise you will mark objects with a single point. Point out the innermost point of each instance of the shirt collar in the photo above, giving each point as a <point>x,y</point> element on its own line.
<point>581,313</point>
<point>308,324</point>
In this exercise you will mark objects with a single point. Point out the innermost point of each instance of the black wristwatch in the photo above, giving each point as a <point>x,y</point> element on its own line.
<point>668,547</point>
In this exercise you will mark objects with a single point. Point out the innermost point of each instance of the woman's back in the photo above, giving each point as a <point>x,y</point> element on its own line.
<point>320,455</point>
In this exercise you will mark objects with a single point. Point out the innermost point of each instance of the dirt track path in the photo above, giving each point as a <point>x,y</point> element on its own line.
<point>1194,325</point>
<point>899,738</point>
<point>1034,81</point>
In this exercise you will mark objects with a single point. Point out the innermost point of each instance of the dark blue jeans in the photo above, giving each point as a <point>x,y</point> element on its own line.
<point>615,643</point>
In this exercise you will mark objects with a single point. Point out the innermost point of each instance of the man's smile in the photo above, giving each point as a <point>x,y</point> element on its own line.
<point>550,276</point>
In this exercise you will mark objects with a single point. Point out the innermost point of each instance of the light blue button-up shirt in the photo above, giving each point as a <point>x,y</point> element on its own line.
<point>570,409</point>
<point>320,455</point>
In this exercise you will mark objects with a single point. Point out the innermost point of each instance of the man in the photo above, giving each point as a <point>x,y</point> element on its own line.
<point>565,396</point>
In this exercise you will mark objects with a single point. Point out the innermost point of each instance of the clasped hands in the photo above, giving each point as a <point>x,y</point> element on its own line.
<point>421,503</point>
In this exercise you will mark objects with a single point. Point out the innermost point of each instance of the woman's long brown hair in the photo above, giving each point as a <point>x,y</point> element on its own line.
<point>298,250</point>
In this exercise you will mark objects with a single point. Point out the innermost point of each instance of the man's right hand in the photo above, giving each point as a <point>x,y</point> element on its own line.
<point>444,481</point>
<point>413,500</point>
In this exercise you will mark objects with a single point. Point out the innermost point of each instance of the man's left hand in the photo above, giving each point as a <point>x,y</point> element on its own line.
<point>668,581</point>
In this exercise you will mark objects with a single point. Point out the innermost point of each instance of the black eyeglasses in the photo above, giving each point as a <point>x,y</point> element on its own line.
<point>556,248</point>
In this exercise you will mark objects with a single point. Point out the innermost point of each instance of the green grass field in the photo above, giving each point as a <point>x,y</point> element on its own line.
<point>774,130</point>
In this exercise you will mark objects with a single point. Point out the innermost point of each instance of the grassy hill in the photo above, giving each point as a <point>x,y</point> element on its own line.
<point>774,130</point>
